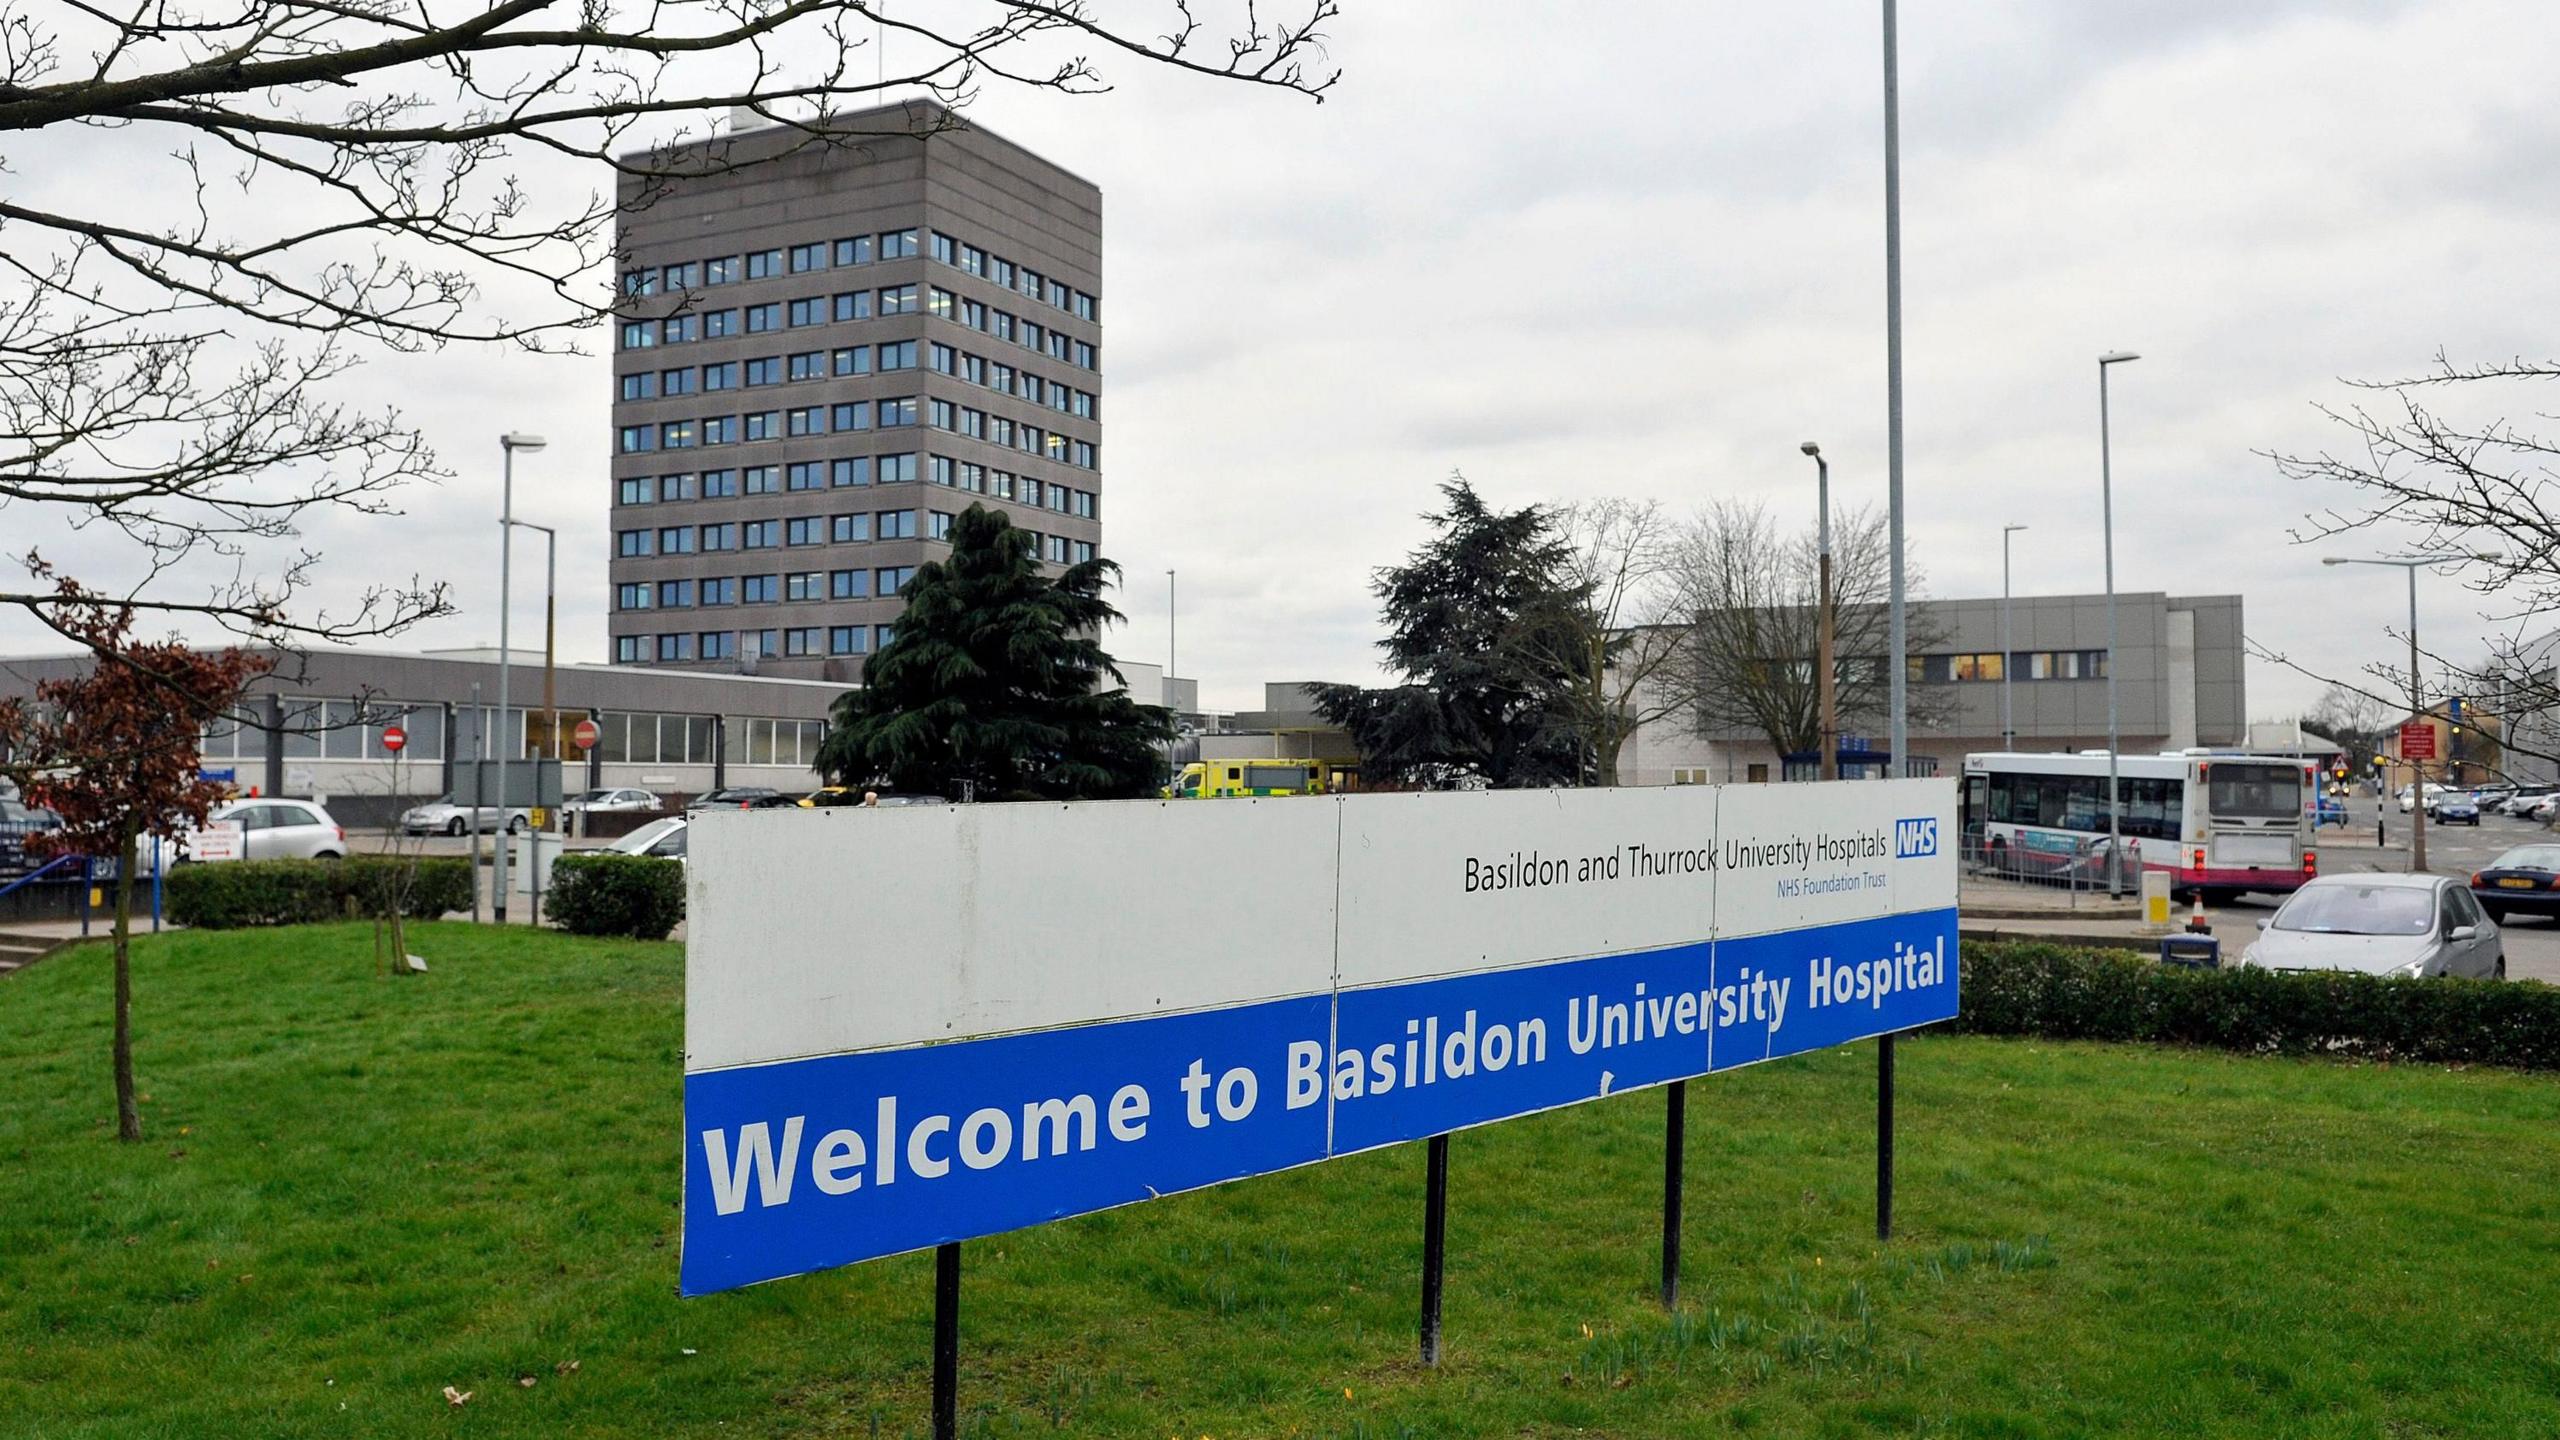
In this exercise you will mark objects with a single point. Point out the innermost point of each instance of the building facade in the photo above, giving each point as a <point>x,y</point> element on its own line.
<point>830,346</point>
<point>2180,682</point>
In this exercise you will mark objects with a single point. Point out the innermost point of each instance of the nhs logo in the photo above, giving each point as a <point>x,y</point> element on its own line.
<point>1912,838</point>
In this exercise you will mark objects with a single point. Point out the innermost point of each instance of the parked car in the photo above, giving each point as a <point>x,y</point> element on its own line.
<point>662,838</point>
<point>2525,798</point>
<point>269,829</point>
<point>2408,798</point>
<point>441,816</point>
<point>826,795</point>
<point>2404,925</point>
<point>614,802</point>
<point>2543,809</point>
<point>889,802</point>
<point>20,822</point>
<point>2490,797</point>
<point>740,797</point>
<point>2455,808</point>
<point>2524,881</point>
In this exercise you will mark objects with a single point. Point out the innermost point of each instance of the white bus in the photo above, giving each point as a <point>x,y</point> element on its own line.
<point>2221,824</point>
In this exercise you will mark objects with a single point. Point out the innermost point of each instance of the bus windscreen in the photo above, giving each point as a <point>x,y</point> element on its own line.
<point>2256,791</point>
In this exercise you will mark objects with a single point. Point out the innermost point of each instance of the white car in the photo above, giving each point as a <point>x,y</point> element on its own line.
<point>2435,793</point>
<point>257,829</point>
<point>614,802</point>
<point>441,816</point>
<point>662,838</point>
<point>2411,926</point>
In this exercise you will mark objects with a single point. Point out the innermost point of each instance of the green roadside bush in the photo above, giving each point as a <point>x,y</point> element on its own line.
<point>230,894</point>
<point>2072,994</point>
<point>641,896</point>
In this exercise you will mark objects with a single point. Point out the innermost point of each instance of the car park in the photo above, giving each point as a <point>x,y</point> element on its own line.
<point>2409,926</point>
<point>624,801</point>
<point>2523,881</point>
<point>441,816</point>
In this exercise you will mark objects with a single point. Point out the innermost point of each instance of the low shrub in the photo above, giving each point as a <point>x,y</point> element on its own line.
<point>641,896</point>
<point>2072,994</point>
<point>230,894</point>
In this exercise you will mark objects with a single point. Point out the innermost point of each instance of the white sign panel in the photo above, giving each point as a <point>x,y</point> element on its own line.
<point>907,1026</point>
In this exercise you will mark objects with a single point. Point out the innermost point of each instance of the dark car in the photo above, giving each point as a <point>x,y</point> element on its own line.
<point>2524,881</point>
<point>2457,808</point>
<point>741,797</point>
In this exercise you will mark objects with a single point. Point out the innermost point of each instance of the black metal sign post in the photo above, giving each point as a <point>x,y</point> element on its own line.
<point>946,1341</point>
<point>1884,1136</point>
<point>1435,1243</point>
<point>1675,1150</point>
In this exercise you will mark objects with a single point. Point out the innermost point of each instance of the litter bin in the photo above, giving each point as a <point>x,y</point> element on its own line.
<point>2202,951</point>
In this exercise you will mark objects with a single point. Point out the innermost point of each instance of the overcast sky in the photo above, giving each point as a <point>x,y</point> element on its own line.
<point>1637,249</point>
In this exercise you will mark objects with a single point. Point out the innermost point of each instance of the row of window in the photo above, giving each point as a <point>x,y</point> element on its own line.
<point>1021,279</point>
<point>798,587</point>
<point>800,531</point>
<point>809,311</point>
<point>855,250</point>
<point>802,475</point>
<point>2020,665</point>
<point>770,264</point>
<point>2151,808</point>
<point>802,640</point>
<point>846,361</point>
<point>853,416</point>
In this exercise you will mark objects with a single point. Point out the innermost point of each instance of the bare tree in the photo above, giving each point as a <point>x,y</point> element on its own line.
<point>298,185</point>
<point>1751,590</point>
<point>1620,566</point>
<point>2436,469</point>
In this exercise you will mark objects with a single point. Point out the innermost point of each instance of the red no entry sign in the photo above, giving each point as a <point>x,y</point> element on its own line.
<point>393,738</point>
<point>584,736</point>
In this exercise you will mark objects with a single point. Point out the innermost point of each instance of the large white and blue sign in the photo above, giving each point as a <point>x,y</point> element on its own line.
<point>905,1027</point>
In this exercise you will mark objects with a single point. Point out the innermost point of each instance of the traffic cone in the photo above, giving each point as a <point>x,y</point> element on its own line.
<point>2196,923</point>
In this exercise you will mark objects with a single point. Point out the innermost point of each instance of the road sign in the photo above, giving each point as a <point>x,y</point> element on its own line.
<point>1384,968</point>
<point>538,818</point>
<point>393,738</point>
<point>2417,741</point>
<point>584,736</point>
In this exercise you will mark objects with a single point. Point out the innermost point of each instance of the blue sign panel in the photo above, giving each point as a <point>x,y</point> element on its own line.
<point>804,1164</point>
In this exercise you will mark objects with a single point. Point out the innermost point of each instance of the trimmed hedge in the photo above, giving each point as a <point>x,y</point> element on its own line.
<point>231,894</point>
<point>2069,994</point>
<point>640,896</point>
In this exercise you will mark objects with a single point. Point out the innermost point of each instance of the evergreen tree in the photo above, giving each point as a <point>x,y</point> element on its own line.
<point>1485,626</point>
<point>993,684</point>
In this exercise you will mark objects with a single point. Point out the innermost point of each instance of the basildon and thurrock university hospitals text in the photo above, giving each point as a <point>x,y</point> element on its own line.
<point>1530,869</point>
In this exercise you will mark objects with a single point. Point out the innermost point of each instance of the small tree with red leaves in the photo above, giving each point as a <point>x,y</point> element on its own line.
<point>114,752</point>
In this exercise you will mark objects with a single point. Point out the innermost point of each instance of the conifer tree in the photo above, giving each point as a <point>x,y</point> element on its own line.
<point>995,684</point>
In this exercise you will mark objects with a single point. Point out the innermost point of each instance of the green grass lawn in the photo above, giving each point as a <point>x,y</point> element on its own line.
<point>356,1192</point>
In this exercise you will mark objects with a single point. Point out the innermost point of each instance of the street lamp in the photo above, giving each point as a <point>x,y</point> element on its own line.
<point>508,445</point>
<point>2008,724</point>
<point>1828,724</point>
<point>2107,505</point>
<point>2417,701</point>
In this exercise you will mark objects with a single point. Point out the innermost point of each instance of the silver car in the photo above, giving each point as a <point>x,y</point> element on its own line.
<point>441,816</point>
<point>664,839</point>
<point>625,801</point>
<point>268,830</point>
<point>2401,925</point>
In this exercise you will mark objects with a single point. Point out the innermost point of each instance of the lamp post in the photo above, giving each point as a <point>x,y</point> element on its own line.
<point>508,445</point>
<point>2107,508</point>
<point>1824,681</point>
<point>2008,721</point>
<point>2417,700</point>
<point>1170,635</point>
